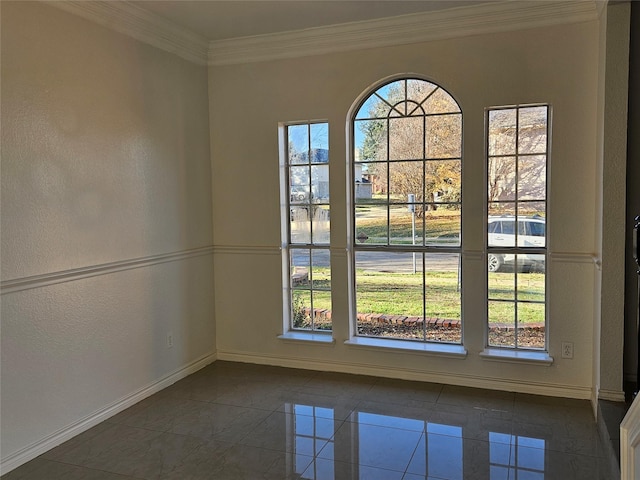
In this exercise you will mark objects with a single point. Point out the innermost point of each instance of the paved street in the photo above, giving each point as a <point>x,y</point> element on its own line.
<point>384,261</point>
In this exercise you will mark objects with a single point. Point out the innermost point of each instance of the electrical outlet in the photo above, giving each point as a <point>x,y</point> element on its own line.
<point>169,340</point>
<point>567,350</point>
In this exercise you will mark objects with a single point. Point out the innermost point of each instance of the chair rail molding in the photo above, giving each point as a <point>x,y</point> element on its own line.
<point>38,281</point>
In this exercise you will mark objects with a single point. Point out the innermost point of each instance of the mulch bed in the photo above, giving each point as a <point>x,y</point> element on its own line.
<point>527,337</point>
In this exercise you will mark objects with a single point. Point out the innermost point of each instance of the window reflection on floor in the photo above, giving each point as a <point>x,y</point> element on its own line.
<point>368,443</point>
<point>311,431</point>
<point>444,451</point>
<point>517,457</point>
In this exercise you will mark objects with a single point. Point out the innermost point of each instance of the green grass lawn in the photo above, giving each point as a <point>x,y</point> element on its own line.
<point>402,294</point>
<point>443,224</point>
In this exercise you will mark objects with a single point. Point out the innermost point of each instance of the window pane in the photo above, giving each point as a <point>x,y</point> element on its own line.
<point>530,314</point>
<point>300,261</point>
<point>501,324</point>
<point>319,143</point>
<point>501,285</point>
<point>502,179</point>
<point>370,140</point>
<point>298,143</point>
<point>320,225</point>
<point>321,310</point>
<point>371,224</point>
<point>419,90</point>
<point>442,224</point>
<point>300,225</point>
<point>401,228</point>
<point>373,107</point>
<point>531,325</point>
<point>301,309</point>
<point>320,183</point>
<point>406,138</point>
<point>440,102</point>
<point>502,232</point>
<point>299,184</point>
<point>443,136</point>
<point>531,279</point>
<point>525,232</point>
<point>321,269</point>
<point>405,178</point>
<point>443,181</point>
<point>502,132</point>
<point>373,174</point>
<point>532,174</point>
<point>532,130</point>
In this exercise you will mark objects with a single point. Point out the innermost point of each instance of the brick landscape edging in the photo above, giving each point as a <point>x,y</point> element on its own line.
<point>416,321</point>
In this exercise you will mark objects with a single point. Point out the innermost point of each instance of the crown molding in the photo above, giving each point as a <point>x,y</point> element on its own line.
<point>499,16</point>
<point>136,22</point>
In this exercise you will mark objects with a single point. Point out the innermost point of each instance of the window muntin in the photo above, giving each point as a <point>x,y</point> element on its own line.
<point>406,194</point>
<point>308,226</point>
<point>517,153</point>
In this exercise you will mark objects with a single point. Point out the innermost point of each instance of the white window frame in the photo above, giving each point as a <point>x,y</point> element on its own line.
<point>287,245</point>
<point>516,352</point>
<point>454,350</point>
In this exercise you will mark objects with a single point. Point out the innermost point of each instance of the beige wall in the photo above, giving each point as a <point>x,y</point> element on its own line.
<point>106,223</point>
<point>611,189</point>
<point>557,65</point>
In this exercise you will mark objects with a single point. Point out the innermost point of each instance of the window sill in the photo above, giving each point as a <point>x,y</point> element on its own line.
<point>516,356</point>
<point>437,349</point>
<point>308,338</point>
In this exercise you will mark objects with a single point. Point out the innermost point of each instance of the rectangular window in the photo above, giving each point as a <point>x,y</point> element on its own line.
<point>517,154</point>
<point>306,225</point>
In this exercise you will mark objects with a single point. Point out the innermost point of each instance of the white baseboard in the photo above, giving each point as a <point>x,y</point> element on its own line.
<point>47,443</point>
<point>611,395</point>
<point>524,386</point>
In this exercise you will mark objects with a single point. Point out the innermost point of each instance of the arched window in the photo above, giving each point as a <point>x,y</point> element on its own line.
<point>406,212</point>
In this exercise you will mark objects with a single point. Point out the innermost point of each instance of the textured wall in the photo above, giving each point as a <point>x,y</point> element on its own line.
<point>613,188</point>
<point>106,220</point>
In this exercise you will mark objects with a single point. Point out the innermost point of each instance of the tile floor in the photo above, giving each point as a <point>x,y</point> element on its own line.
<point>239,421</point>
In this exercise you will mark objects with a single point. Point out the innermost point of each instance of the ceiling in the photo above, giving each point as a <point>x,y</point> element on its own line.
<point>225,19</point>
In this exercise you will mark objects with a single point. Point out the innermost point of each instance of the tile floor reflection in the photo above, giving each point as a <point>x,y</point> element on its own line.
<point>238,421</point>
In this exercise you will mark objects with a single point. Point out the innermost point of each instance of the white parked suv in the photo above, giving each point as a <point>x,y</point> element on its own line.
<point>502,233</point>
